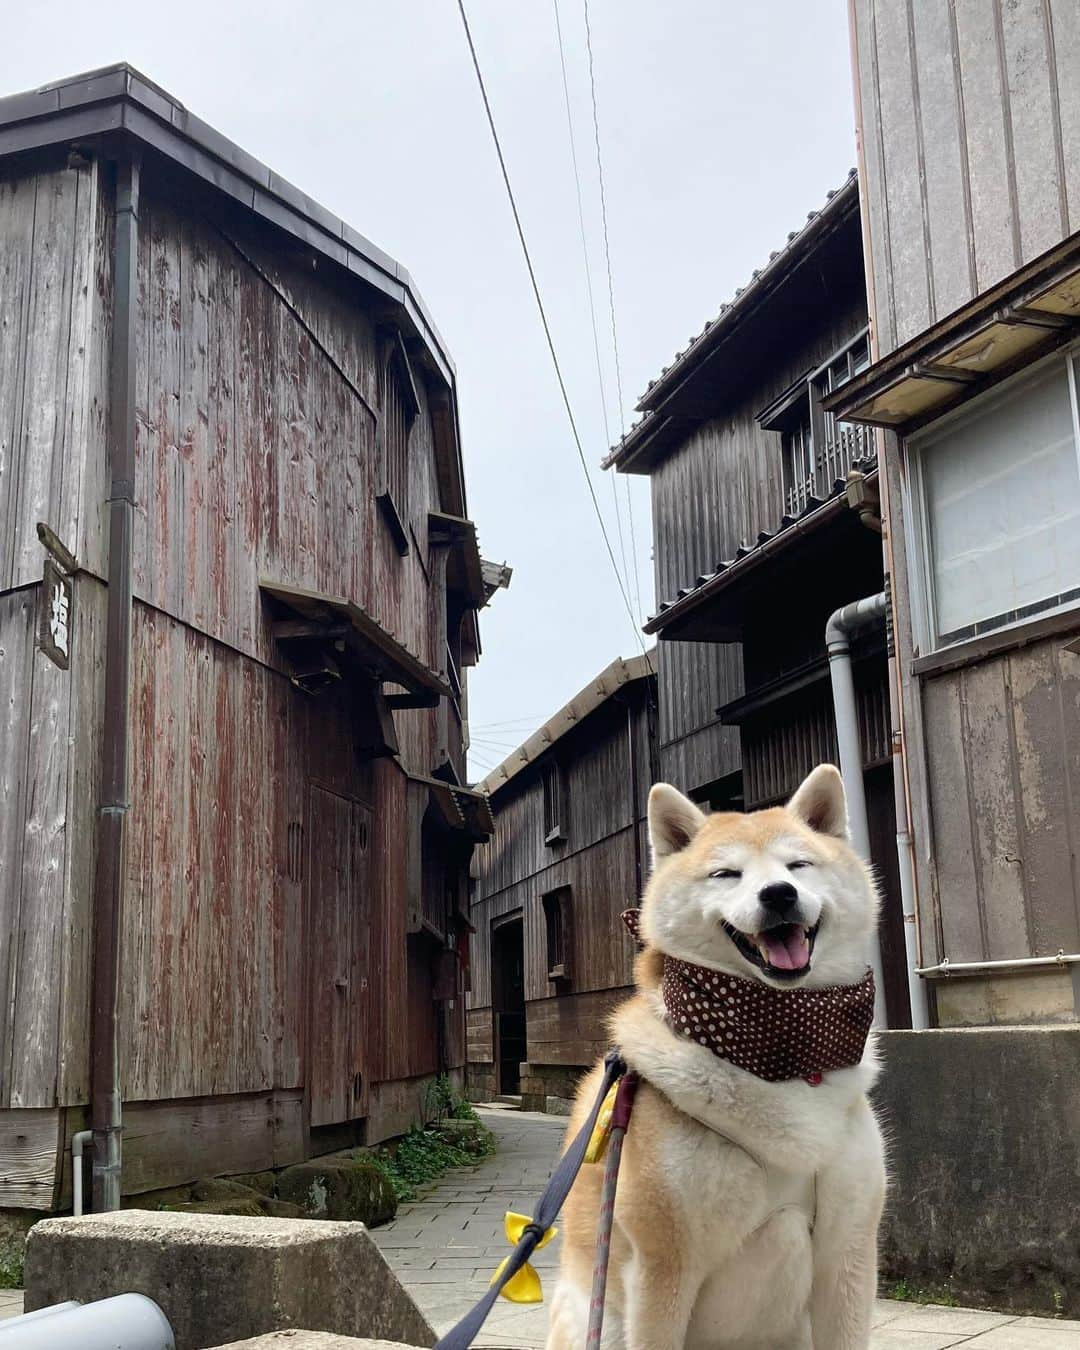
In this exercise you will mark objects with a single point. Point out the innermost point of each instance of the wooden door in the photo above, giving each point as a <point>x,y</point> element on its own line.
<point>339,920</point>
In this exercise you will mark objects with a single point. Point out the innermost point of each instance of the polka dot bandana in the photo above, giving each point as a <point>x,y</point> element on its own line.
<point>775,1034</point>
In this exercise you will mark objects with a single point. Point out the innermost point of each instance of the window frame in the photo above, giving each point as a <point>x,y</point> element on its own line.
<point>558,922</point>
<point>918,535</point>
<point>798,415</point>
<point>554,803</point>
<point>395,382</point>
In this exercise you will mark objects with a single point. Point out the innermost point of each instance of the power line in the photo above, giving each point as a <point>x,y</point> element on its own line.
<point>588,284</point>
<point>611,295</point>
<point>544,321</point>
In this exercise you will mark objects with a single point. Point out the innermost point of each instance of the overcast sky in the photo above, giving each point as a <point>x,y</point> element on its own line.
<point>721,126</point>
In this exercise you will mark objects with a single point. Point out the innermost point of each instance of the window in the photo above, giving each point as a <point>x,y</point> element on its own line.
<point>819,450</point>
<point>554,804</point>
<point>399,405</point>
<point>557,919</point>
<point>996,518</point>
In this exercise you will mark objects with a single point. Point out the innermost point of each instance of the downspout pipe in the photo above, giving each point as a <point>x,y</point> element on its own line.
<point>842,623</point>
<point>114,804</point>
<point>905,848</point>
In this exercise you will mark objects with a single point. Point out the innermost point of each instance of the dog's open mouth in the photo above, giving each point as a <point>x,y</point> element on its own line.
<point>783,951</point>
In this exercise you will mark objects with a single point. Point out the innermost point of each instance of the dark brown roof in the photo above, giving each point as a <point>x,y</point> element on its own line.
<point>730,572</point>
<point>840,203</point>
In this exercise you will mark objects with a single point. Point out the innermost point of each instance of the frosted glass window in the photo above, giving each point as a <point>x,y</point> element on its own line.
<point>1001,489</point>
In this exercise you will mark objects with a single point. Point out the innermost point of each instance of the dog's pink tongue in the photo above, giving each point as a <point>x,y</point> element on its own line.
<point>788,952</point>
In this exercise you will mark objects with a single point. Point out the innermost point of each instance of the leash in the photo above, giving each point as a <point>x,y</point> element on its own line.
<point>620,1121</point>
<point>461,1336</point>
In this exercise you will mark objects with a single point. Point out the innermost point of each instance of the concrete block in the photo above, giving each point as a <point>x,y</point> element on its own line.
<point>339,1186</point>
<point>984,1161</point>
<point>223,1278</point>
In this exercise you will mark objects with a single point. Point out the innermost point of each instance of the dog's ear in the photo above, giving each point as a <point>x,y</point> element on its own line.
<point>673,820</point>
<point>820,802</point>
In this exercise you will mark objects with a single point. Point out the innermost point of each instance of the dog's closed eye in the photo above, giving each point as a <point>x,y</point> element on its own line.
<point>799,862</point>
<point>726,874</point>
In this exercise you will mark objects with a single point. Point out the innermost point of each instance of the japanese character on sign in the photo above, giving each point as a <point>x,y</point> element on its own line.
<point>55,615</point>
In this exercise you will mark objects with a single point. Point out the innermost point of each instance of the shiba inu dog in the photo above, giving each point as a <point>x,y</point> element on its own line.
<point>753,1171</point>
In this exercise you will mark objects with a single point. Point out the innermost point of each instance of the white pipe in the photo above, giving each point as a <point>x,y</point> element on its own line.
<point>77,1142</point>
<point>126,1322</point>
<point>842,622</point>
<point>920,1015</point>
<point>948,967</point>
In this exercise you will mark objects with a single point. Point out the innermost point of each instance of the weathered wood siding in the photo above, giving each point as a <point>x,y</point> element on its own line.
<point>49,720</point>
<point>256,457</point>
<point>53,359</point>
<point>1003,745</point>
<point>971,144</point>
<point>604,852</point>
<point>717,490</point>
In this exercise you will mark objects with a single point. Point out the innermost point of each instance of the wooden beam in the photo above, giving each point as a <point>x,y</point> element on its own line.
<point>1036,318</point>
<point>289,630</point>
<point>374,648</point>
<point>924,370</point>
<point>422,700</point>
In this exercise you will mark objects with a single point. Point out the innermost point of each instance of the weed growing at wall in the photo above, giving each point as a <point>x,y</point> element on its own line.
<point>454,1136</point>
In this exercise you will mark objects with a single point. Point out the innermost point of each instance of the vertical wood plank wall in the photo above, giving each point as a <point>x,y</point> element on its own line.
<point>256,416</point>
<point>599,860</point>
<point>53,408</point>
<point>972,145</point>
<point>718,489</point>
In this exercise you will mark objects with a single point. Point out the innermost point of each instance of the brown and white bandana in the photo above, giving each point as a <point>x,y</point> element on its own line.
<point>775,1034</point>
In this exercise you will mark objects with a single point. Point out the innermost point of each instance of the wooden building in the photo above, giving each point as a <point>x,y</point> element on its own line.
<point>238,600</point>
<point>759,536</point>
<point>569,852</point>
<point>970,134</point>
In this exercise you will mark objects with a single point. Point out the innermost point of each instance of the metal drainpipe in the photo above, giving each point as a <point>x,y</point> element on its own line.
<point>635,804</point>
<point>105,1116</point>
<point>841,623</point>
<point>905,848</point>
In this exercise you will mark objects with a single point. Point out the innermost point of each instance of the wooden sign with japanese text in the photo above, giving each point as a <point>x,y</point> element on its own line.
<point>55,613</point>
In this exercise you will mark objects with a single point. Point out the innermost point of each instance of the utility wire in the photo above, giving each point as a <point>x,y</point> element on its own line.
<point>611,297</point>
<point>544,322</point>
<point>589,286</point>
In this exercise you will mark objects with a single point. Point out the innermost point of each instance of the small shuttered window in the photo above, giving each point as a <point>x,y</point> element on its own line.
<point>399,406</point>
<point>557,920</point>
<point>554,804</point>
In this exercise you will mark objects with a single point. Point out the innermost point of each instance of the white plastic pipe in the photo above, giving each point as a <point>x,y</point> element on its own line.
<point>126,1322</point>
<point>77,1142</point>
<point>841,623</point>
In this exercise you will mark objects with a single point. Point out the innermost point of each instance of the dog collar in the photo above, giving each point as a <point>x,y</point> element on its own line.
<point>775,1034</point>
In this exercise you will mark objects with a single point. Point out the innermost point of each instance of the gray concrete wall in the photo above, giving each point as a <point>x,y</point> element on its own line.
<point>984,1141</point>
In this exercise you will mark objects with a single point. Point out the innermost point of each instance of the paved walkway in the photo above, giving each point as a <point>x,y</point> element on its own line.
<point>445,1245</point>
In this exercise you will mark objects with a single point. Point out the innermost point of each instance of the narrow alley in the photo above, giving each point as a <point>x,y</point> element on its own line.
<point>445,1245</point>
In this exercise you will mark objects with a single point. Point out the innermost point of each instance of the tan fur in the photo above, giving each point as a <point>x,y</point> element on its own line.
<point>710,1251</point>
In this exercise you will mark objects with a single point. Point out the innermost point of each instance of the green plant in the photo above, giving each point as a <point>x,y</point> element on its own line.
<point>941,1295</point>
<point>11,1269</point>
<point>441,1102</point>
<point>423,1155</point>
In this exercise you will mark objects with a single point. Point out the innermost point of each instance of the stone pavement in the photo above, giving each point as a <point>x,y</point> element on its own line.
<point>445,1245</point>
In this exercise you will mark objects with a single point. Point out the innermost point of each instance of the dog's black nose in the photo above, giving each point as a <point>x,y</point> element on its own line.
<point>779,896</point>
